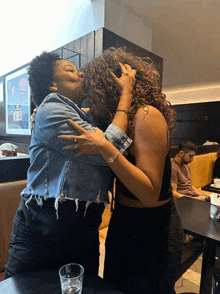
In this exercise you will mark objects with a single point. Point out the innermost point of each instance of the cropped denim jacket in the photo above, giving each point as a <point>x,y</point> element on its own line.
<point>55,172</point>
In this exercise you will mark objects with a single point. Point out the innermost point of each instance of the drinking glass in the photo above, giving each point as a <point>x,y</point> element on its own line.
<point>71,278</point>
<point>214,212</point>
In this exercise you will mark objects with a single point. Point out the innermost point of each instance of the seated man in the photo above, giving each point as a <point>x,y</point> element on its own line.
<point>8,149</point>
<point>181,174</point>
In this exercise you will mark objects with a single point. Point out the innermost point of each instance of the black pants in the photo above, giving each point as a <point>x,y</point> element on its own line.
<point>144,249</point>
<point>40,240</point>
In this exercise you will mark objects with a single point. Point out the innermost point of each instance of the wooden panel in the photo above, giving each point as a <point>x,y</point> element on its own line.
<point>84,50</point>
<point>98,41</point>
<point>91,45</point>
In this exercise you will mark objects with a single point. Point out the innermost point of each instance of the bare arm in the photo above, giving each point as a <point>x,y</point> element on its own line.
<point>126,84</point>
<point>176,195</point>
<point>149,149</point>
<point>201,195</point>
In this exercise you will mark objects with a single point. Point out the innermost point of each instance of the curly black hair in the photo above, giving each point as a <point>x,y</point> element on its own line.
<point>40,75</point>
<point>103,94</point>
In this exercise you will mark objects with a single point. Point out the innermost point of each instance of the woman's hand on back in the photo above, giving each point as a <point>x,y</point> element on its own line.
<point>87,142</point>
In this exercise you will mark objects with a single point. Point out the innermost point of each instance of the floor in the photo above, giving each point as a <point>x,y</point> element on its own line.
<point>189,282</point>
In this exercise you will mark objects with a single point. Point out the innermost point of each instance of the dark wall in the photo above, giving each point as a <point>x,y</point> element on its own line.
<point>13,168</point>
<point>201,149</point>
<point>197,122</point>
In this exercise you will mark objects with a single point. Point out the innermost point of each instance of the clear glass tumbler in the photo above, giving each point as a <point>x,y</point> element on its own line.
<point>71,278</point>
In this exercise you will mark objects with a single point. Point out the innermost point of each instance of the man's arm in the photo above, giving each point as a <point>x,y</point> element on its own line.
<point>174,182</point>
<point>176,195</point>
<point>201,196</point>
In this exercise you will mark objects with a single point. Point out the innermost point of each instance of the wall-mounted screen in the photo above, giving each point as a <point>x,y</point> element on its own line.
<point>1,91</point>
<point>17,104</point>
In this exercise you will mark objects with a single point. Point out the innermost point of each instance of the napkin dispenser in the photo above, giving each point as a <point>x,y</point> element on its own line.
<point>215,206</point>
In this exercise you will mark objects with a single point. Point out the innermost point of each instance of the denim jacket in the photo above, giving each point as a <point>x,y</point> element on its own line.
<point>55,172</point>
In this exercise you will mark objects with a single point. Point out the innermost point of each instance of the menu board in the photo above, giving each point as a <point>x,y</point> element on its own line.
<point>17,104</point>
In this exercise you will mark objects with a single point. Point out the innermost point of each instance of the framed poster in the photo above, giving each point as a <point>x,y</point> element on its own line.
<point>17,103</point>
<point>1,91</point>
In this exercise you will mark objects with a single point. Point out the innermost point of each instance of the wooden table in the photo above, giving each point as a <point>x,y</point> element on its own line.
<point>195,219</point>
<point>48,282</point>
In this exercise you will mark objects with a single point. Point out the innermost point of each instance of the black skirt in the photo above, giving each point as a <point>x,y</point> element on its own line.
<point>144,248</point>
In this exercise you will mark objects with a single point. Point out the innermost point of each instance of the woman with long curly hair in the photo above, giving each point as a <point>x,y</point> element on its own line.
<point>144,240</point>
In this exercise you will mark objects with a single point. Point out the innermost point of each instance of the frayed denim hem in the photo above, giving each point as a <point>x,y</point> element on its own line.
<point>61,198</point>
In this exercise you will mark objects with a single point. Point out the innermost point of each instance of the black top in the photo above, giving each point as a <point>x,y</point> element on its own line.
<point>166,189</point>
<point>216,173</point>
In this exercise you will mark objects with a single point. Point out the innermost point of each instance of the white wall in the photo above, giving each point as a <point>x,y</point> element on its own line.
<point>184,35</point>
<point>31,26</point>
<point>193,94</point>
<point>123,20</point>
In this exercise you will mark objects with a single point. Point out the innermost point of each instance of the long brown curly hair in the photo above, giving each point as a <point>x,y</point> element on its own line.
<point>102,93</point>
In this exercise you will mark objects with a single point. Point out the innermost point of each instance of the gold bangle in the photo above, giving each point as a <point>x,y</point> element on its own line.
<point>125,111</point>
<point>113,158</point>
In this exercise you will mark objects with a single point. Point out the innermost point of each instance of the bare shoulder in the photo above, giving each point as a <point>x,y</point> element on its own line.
<point>150,117</point>
<point>150,130</point>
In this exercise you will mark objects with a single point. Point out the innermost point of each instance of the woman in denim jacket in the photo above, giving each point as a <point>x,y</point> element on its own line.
<point>61,207</point>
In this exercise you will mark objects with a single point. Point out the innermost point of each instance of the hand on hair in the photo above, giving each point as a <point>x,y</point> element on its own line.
<point>127,80</point>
